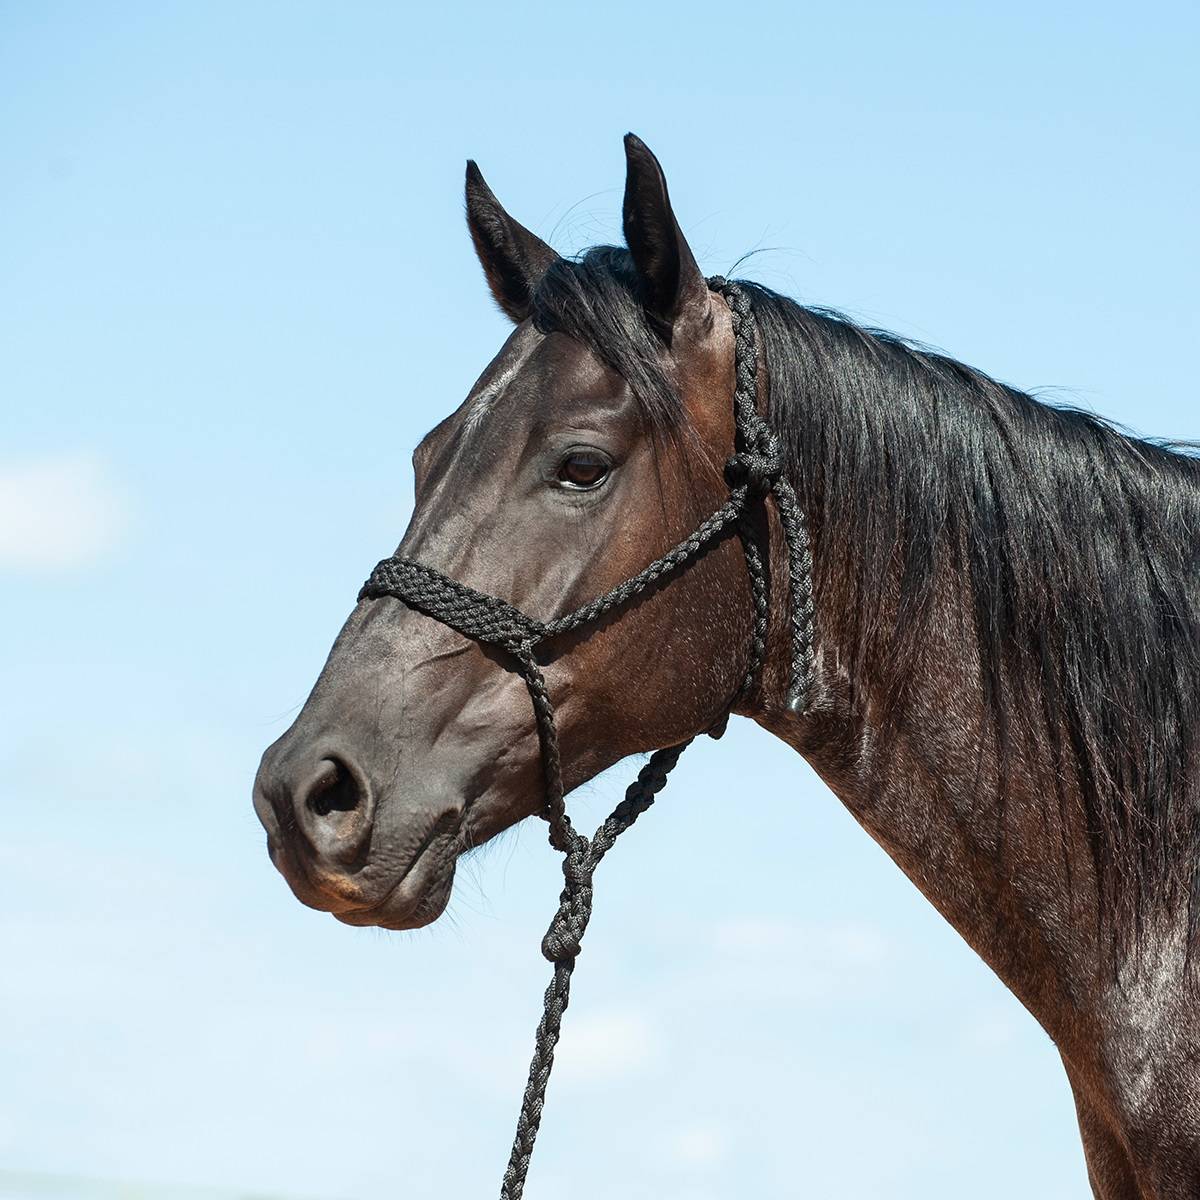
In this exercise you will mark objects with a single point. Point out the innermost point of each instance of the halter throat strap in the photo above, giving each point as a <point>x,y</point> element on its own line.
<point>753,472</point>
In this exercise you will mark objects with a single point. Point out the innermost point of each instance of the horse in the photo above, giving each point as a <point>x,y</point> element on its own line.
<point>1006,661</point>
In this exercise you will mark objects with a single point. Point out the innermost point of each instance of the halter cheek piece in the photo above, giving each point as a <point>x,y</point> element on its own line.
<point>753,473</point>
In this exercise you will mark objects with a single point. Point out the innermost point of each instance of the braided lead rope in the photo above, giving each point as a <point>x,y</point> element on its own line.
<point>757,465</point>
<point>564,937</point>
<point>475,615</point>
<point>683,554</point>
<point>802,670</point>
<point>753,472</point>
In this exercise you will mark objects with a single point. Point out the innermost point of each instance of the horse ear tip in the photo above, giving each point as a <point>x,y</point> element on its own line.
<point>635,147</point>
<point>476,187</point>
<point>640,160</point>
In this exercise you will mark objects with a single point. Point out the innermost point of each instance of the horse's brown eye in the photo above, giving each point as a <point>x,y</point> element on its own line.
<point>583,469</point>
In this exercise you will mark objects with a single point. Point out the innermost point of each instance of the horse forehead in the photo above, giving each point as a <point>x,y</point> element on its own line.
<point>537,377</point>
<point>500,372</point>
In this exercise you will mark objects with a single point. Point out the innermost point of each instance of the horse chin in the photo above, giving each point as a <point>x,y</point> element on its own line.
<point>418,898</point>
<point>405,912</point>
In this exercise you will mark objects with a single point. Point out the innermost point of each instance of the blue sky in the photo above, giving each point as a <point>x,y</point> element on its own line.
<point>231,235</point>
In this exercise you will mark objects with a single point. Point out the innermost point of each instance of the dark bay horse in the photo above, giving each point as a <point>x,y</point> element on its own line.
<point>1008,643</point>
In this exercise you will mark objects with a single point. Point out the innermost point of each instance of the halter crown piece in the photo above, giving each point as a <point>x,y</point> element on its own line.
<point>753,472</point>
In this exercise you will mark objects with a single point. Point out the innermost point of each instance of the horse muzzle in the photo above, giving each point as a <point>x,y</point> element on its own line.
<point>329,837</point>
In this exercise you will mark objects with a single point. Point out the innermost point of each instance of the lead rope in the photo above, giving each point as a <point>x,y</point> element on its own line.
<point>753,472</point>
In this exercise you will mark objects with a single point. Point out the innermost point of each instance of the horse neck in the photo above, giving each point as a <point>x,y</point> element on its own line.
<point>903,731</point>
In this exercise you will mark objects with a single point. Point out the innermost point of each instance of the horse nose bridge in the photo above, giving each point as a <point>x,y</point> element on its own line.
<point>319,780</point>
<point>384,723</point>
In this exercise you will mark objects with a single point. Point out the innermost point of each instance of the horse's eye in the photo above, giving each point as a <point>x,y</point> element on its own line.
<point>583,469</point>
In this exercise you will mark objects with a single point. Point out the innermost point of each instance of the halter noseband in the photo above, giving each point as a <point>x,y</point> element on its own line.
<point>752,473</point>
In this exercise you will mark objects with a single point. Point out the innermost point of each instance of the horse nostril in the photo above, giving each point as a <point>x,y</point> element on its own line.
<point>334,789</point>
<point>329,804</point>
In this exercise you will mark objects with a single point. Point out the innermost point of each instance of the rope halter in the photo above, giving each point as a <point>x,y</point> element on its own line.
<point>753,473</point>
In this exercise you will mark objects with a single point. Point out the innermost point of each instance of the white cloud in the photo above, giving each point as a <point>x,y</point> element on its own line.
<point>58,512</point>
<point>606,1046</point>
<point>753,935</point>
<point>992,1028</point>
<point>700,1146</point>
<point>840,944</point>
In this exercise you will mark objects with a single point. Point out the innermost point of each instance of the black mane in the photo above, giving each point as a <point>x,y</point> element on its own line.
<point>1077,545</point>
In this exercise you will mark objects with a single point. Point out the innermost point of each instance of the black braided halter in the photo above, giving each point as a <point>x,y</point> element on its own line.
<point>753,472</point>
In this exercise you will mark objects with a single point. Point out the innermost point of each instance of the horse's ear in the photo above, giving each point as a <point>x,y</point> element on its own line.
<point>513,258</point>
<point>673,289</point>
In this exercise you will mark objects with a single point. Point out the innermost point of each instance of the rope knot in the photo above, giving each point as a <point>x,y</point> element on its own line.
<point>758,465</point>
<point>756,470</point>
<point>565,934</point>
<point>577,870</point>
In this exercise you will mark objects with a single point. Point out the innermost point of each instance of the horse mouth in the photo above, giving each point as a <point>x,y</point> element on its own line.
<point>417,897</point>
